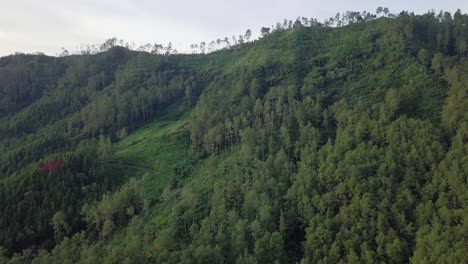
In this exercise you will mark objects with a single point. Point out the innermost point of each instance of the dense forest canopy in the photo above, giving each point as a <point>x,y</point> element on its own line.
<point>337,142</point>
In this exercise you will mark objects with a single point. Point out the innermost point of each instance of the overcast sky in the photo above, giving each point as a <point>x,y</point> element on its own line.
<point>48,25</point>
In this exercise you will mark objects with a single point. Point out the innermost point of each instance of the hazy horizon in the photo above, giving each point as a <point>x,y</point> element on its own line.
<point>49,25</point>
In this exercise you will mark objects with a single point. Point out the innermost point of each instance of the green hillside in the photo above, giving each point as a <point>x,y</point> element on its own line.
<point>313,144</point>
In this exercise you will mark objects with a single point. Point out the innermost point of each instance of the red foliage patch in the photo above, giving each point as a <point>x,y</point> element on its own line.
<point>50,165</point>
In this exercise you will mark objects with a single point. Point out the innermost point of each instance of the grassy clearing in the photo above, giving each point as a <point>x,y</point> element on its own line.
<point>152,153</point>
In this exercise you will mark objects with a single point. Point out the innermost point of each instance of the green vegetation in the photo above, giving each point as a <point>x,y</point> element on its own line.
<point>310,145</point>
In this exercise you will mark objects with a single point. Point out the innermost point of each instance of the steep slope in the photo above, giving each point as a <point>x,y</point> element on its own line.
<point>311,145</point>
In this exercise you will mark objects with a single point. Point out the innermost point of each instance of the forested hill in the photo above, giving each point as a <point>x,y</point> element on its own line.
<point>313,144</point>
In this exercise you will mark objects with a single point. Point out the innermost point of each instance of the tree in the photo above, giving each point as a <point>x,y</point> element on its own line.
<point>105,146</point>
<point>462,48</point>
<point>202,47</point>
<point>338,19</point>
<point>107,227</point>
<point>3,255</point>
<point>64,53</point>
<point>386,11</point>
<point>247,35</point>
<point>264,31</point>
<point>297,23</point>
<point>437,62</point>
<point>212,46</point>
<point>227,43</point>
<point>379,10</point>
<point>156,48</point>
<point>60,225</point>
<point>424,57</point>
<point>108,44</point>
<point>169,49</point>
<point>194,48</point>
<point>234,40</point>
<point>123,133</point>
<point>240,39</point>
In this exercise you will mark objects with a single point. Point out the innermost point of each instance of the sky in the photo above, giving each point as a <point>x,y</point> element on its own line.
<point>48,25</point>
